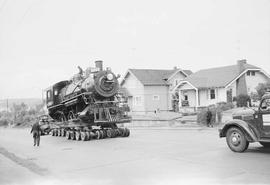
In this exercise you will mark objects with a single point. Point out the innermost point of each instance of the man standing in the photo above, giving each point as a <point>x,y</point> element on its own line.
<point>36,133</point>
<point>209,118</point>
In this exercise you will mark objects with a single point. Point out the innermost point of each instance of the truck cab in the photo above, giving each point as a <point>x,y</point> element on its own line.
<point>248,125</point>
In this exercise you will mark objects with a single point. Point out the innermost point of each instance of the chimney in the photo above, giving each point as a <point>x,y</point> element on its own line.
<point>241,84</point>
<point>241,65</point>
<point>99,64</point>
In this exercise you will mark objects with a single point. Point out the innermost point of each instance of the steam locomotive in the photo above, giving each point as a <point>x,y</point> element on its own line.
<point>88,105</point>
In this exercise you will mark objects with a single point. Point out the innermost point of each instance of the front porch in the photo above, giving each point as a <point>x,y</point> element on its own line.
<point>191,98</point>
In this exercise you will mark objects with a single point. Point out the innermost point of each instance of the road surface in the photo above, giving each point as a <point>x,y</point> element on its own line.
<point>148,156</point>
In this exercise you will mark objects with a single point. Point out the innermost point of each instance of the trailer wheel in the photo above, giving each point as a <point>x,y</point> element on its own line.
<point>118,132</point>
<point>265,144</point>
<point>236,140</point>
<point>122,132</point>
<point>78,135</point>
<point>83,136</point>
<point>109,133</point>
<point>68,135</point>
<point>87,136</point>
<point>92,135</point>
<point>59,133</point>
<point>63,132</point>
<point>127,132</point>
<point>72,135</point>
<point>98,135</point>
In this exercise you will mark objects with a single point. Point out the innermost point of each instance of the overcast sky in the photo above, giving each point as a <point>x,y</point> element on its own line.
<point>43,41</point>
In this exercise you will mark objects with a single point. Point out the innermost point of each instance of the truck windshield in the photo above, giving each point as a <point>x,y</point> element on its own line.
<point>265,104</point>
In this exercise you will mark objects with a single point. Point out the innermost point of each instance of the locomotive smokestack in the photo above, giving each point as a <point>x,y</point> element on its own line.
<point>99,64</point>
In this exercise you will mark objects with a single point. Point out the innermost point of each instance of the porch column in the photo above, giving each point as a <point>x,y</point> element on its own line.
<point>180,98</point>
<point>197,98</point>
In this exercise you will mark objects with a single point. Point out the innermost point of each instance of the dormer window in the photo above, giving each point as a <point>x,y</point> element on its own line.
<point>250,73</point>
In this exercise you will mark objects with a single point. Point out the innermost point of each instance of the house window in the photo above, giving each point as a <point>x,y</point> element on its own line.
<point>137,100</point>
<point>212,94</point>
<point>251,73</point>
<point>156,97</point>
<point>186,97</point>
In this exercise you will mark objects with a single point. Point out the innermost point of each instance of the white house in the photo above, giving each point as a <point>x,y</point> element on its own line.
<point>210,86</point>
<point>151,89</point>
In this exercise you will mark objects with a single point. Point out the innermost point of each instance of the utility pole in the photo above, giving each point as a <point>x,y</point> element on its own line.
<point>7,105</point>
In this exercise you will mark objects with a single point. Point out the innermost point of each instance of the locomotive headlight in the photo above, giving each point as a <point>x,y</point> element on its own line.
<point>110,76</point>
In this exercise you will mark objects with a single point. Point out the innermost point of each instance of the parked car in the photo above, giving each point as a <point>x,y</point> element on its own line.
<point>247,126</point>
<point>45,125</point>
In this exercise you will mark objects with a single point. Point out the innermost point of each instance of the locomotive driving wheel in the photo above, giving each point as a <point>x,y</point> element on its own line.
<point>62,117</point>
<point>71,115</point>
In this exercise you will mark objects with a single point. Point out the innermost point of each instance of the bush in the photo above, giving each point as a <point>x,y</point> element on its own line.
<point>4,121</point>
<point>216,111</point>
<point>243,100</point>
<point>201,116</point>
<point>262,88</point>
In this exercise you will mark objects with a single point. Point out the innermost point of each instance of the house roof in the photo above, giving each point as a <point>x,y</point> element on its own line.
<point>155,76</point>
<point>217,77</point>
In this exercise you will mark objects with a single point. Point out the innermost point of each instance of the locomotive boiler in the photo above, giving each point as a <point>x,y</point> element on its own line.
<point>88,105</point>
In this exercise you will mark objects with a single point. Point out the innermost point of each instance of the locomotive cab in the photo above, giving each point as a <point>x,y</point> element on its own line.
<point>53,93</point>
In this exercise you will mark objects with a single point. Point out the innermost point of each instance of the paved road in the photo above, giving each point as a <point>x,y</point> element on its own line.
<point>153,156</point>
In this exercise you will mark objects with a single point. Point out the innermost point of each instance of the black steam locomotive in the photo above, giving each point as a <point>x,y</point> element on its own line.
<point>88,105</point>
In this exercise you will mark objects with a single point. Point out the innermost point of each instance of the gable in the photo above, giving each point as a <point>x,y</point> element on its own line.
<point>218,77</point>
<point>130,81</point>
<point>155,76</point>
<point>176,78</point>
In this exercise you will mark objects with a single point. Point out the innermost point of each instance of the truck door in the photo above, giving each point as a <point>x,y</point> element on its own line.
<point>264,117</point>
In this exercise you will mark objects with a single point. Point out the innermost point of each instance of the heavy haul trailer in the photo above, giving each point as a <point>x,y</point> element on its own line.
<point>89,106</point>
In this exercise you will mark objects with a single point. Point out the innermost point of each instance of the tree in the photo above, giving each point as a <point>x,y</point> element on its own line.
<point>242,100</point>
<point>261,89</point>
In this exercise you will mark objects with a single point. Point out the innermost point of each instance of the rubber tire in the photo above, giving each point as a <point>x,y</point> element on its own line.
<point>72,135</point>
<point>242,146</point>
<point>83,136</point>
<point>77,135</point>
<point>63,132</point>
<point>59,133</point>
<point>98,135</point>
<point>92,135</point>
<point>87,136</point>
<point>118,132</point>
<point>55,132</point>
<point>265,144</point>
<point>102,135</point>
<point>52,132</point>
<point>122,132</point>
<point>127,132</point>
<point>109,133</point>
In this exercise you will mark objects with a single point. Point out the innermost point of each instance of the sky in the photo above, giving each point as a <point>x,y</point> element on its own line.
<point>43,41</point>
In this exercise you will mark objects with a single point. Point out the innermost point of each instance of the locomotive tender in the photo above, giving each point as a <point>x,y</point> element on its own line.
<point>88,106</point>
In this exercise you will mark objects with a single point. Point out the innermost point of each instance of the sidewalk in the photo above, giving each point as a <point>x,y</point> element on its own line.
<point>163,120</point>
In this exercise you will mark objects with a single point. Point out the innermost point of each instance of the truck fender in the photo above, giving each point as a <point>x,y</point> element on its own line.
<point>248,131</point>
